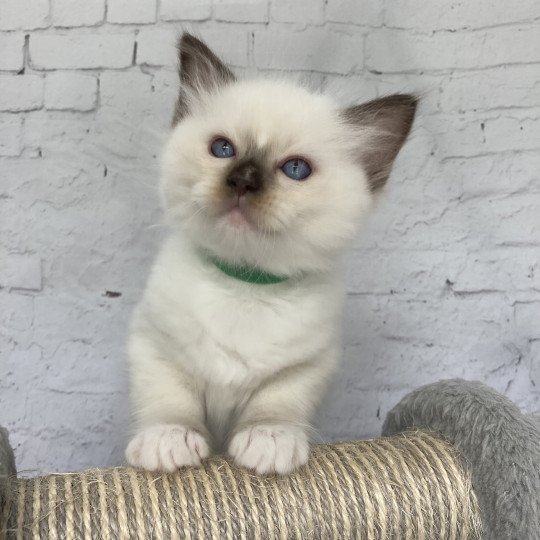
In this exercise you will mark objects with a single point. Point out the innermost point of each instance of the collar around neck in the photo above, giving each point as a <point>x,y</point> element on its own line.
<point>247,273</point>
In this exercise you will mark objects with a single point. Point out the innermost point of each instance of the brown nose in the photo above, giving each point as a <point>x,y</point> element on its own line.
<point>245,177</point>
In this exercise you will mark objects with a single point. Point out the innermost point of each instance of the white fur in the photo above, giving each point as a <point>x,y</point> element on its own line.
<point>244,365</point>
<point>268,448</point>
<point>165,447</point>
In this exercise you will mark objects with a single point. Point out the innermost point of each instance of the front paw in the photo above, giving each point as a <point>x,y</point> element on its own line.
<point>166,447</point>
<point>270,448</point>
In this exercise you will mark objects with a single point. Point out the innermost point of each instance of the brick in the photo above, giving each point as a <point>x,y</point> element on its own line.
<point>527,316</point>
<point>460,322</point>
<point>419,274</point>
<point>24,14</point>
<point>185,10</point>
<point>446,224</point>
<point>390,50</point>
<point>241,11</point>
<point>21,271</point>
<point>166,82</point>
<point>506,270</point>
<point>21,92</point>
<point>338,421</point>
<point>20,368</point>
<point>489,175</point>
<point>127,11</point>
<point>535,363</point>
<point>17,313</point>
<point>12,47</point>
<point>166,86</point>
<point>70,91</point>
<point>65,373</point>
<point>69,13</point>
<point>126,91</point>
<point>11,130</point>
<point>476,223</point>
<point>491,132</point>
<point>81,51</point>
<point>368,12</point>
<point>157,47</point>
<point>301,13</point>
<point>48,191</point>
<point>134,118</point>
<point>517,218</point>
<point>56,134</point>
<point>452,15</point>
<point>314,49</point>
<point>509,132</point>
<point>500,87</point>
<point>64,318</point>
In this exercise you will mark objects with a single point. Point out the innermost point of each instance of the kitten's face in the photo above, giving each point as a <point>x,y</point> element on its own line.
<point>261,172</point>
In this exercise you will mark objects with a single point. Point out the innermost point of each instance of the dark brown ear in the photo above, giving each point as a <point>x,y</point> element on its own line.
<point>386,122</point>
<point>200,71</point>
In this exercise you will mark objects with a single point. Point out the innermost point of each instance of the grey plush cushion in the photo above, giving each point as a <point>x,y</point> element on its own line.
<point>501,444</point>
<point>7,465</point>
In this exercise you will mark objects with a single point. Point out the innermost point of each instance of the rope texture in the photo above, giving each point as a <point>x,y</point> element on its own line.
<point>412,486</point>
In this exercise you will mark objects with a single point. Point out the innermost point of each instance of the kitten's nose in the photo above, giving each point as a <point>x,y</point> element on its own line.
<point>245,177</point>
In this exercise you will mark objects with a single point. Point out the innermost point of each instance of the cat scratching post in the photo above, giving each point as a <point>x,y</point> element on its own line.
<point>409,486</point>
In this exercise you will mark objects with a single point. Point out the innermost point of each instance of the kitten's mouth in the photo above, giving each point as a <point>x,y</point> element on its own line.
<point>236,214</point>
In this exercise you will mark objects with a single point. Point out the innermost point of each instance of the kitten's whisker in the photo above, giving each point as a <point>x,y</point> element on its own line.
<point>178,212</point>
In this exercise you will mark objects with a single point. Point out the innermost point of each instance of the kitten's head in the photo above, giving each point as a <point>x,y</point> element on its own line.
<point>268,174</point>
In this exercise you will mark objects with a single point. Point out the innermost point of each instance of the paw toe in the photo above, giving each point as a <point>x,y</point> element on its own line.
<point>166,448</point>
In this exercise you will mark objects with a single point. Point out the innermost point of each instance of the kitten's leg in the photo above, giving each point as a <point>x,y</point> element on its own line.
<point>168,410</point>
<point>271,434</point>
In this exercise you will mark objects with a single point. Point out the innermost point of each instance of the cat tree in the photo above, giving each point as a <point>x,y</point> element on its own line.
<point>457,461</point>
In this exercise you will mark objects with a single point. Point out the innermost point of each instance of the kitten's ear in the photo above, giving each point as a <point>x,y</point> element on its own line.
<point>200,71</point>
<point>386,123</point>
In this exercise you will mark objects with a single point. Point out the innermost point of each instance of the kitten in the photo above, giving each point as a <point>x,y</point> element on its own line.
<point>238,331</point>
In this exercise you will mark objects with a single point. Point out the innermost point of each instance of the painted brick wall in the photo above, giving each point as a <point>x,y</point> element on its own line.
<point>444,281</point>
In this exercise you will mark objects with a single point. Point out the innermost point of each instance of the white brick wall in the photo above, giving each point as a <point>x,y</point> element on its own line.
<point>309,49</point>
<point>81,51</point>
<point>77,12</point>
<point>21,93</point>
<point>24,14</point>
<point>391,50</point>
<point>444,280</point>
<point>243,11</point>
<point>10,140</point>
<point>185,10</point>
<point>12,47</point>
<point>368,13</point>
<point>127,11</point>
<point>67,90</point>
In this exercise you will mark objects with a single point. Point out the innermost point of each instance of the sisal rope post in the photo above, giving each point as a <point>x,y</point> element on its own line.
<point>412,486</point>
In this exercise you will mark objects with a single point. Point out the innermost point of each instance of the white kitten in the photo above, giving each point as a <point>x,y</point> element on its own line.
<point>238,330</point>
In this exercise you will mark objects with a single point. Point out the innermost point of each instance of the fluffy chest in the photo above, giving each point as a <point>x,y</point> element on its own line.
<point>230,332</point>
<point>245,337</point>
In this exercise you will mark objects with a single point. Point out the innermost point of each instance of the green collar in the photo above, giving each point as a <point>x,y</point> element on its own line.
<point>250,274</point>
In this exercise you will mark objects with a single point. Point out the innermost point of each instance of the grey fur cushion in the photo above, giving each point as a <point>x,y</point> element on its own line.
<point>501,444</point>
<point>7,465</point>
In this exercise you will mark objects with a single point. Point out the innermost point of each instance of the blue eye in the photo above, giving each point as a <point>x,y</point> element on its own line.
<point>222,148</point>
<point>296,169</point>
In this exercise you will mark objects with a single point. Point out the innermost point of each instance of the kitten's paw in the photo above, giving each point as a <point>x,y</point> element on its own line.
<point>166,447</point>
<point>270,448</point>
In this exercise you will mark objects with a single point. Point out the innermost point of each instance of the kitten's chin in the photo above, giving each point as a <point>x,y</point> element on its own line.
<point>238,216</point>
<point>237,219</point>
